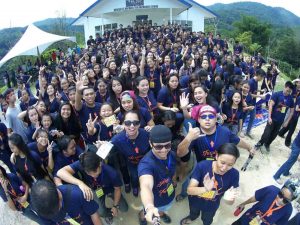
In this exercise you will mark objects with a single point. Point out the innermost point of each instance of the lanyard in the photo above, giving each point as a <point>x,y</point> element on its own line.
<point>174,97</point>
<point>162,162</point>
<point>212,145</point>
<point>12,191</point>
<point>151,75</point>
<point>146,99</point>
<point>233,112</point>
<point>216,183</point>
<point>271,210</point>
<point>95,182</point>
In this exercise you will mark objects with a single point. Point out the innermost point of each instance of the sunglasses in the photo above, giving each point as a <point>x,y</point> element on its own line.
<point>209,116</point>
<point>128,123</point>
<point>160,147</point>
<point>284,199</point>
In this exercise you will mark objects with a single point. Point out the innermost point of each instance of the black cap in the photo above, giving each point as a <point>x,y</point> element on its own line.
<point>160,134</point>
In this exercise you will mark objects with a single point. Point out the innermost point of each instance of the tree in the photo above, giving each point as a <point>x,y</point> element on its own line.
<point>245,39</point>
<point>261,31</point>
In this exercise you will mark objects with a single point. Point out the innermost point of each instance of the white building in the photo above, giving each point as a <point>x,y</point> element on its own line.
<point>110,14</point>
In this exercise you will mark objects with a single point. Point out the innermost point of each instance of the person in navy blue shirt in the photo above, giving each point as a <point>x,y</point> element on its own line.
<point>98,180</point>
<point>15,193</point>
<point>273,205</point>
<point>128,102</point>
<point>27,163</point>
<point>102,93</point>
<point>145,97</point>
<point>4,148</point>
<point>248,106</point>
<point>168,97</point>
<point>279,104</point>
<point>233,111</point>
<point>210,181</point>
<point>133,144</point>
<point>292,124</point>
<point>156,173</point>
<point>89,106</point>
<point>205,140</point>
<point>63,204</point>
<point>64,83</point>
<point>68,153</point>
<point>26,100</point>
<point>43,148</point>
<point>253,84</point>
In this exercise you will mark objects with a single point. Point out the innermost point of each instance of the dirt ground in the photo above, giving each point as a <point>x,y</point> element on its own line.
<point>258,175</point>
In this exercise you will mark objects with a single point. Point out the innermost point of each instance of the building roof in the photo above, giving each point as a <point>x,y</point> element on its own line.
<point>185,2</point>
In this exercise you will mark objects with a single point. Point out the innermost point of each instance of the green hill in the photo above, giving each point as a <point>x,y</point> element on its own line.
<point>276,16</point>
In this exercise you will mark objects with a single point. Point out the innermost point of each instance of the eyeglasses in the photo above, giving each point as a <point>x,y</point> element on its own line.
<point>209,116</point>
<point>284,199</point>
<point>160,147</point>
<point>128,123</point>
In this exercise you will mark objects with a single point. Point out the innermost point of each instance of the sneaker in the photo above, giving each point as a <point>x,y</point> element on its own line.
<point>127,188</point>
<point>282,136</point>
<point>287,144</point>
<point>135,192</point>
<point>249,135</point>
<point>165,218</point>
<point>180,198</point>
<point>278,181</point>
<point>109,220</point>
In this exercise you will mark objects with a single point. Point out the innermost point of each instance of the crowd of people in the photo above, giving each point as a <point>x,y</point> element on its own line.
<point>154,99</point>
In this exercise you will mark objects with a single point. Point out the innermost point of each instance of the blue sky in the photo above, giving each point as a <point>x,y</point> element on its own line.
<point>22,13</point>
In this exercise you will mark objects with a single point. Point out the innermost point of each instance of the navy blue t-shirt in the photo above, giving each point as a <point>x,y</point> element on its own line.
<point>162,172</point>
<point>167,99</point>
<point>253,89</point>
<point>78,209</point>
<point>135,150</point>
<point>101,99</point>
<point>60,160</point>
<point>148,102</point>
<point>153,76</point>
<point>44,156</point>
<point>103,133</point>
<point>24,105</point>
<point>280,108</point>
<point>85,112</point>
<point>233,115</point>
<point>14,190</point>
<point>265,198</point>
<point>206,147</point>
<point>224,182</point>
<point>107,180</point>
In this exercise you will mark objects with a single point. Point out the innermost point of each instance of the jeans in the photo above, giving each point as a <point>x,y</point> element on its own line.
<point>270,133</point>
<point>285,168</point>
<point>207,217</point>
<point>104,211</point>
<point>252,115</point>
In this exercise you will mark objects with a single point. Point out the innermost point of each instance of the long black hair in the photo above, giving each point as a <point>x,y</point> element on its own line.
<point>18,141</point>
<point>112,94</point>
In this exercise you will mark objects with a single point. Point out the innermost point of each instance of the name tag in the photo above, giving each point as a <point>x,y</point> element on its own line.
<point>174,105</point>
<point>212,159</point>
<point>255,221</point>
<point>72,221</point>
<point>99,192</point>
<point>208,195</point>
<point>25,204</point>
<point>170,190</point>
<point>151,84</point>
<point>283,109</point>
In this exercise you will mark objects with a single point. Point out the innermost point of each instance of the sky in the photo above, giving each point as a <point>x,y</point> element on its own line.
<point>16,13</point>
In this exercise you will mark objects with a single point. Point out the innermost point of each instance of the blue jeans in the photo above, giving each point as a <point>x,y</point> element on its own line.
<point>252,115</point>
<point>285,168</point>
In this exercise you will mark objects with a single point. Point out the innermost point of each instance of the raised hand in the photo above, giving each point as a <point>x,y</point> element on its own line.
<point>193,133</point>
<point>208,182</point>
<point>184,100</point>
<point>91,123</point>
<point>49,148</point>
<point>80,84</point>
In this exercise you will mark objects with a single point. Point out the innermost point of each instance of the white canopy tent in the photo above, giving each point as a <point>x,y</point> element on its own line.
<point>33,42</point>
